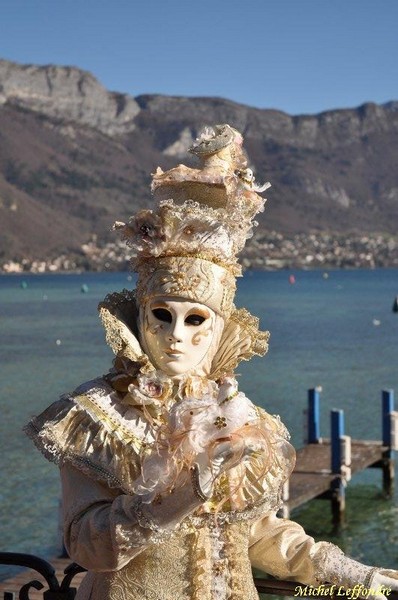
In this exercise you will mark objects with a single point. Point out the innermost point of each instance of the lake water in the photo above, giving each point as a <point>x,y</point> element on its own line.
<point>338,332</point>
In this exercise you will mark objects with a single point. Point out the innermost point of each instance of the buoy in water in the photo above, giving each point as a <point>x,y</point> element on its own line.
<point>292,279</point>
<point>395,305</point>
<point>84,288</point>
<point>24,285</point>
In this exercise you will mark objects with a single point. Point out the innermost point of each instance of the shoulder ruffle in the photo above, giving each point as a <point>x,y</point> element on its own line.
<point>119,315</point>
<point>240,340</point>
<point>94,433</point>
<point>107,439</point>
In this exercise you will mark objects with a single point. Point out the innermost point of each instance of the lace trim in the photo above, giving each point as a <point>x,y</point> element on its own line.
<point>220,588</point>
<point>240,340</point>
<point>119,316</point>
<point>128,538</point>
<point>324,554</point>
<point>211,519</point>
<point>67,433</point>
<point>239,563</point>
<point>201,561</point>
<point>250,324</point>
<point>158,534</point>
<point>332,566</point>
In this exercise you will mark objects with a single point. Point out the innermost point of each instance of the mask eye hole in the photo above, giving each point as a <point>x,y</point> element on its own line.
<point>195,320</point>
<point>162,314</point>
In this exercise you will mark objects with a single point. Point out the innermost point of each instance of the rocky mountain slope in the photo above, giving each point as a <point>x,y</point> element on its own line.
<point>74,157</point>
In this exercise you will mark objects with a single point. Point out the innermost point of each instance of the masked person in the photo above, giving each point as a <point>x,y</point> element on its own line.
<point>171,477</point>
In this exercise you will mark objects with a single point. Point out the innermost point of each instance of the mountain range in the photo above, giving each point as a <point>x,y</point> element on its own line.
<point>75,157</point>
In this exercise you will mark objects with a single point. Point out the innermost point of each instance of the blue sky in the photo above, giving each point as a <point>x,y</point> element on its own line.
<point>299,56</point>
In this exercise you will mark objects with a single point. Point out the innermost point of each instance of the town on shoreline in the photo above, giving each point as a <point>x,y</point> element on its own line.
<point>265,251</point>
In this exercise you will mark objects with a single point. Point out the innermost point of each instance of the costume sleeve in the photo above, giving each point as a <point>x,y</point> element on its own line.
<point>104,529</point>
<point>282,548</point>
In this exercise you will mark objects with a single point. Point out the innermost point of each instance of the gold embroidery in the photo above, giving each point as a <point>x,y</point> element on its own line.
<point>220,422</point>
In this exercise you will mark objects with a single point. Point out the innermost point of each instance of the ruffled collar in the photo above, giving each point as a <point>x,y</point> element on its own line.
<point>109,441</point>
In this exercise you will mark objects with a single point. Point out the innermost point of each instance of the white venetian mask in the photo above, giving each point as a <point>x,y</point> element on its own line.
<point>177,334</point>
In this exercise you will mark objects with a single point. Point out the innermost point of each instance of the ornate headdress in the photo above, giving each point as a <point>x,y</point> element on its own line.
<point>188,246</point>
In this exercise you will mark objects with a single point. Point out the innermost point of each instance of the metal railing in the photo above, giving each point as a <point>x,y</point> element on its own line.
<point>65,591</point>
<point>55,591</point>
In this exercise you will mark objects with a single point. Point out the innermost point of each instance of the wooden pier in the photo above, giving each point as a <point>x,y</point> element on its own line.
<point>312,476</point>
<point>324,466</point>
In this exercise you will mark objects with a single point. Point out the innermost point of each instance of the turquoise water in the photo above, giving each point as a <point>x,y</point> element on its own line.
<point>323,333</point>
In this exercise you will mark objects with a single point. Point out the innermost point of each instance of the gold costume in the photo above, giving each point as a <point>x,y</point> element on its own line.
<point>132,446</point>
<point>98,441</point>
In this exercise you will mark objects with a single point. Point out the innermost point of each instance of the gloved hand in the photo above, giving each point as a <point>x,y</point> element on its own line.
<point>383,581</point>
<point>333,566</point>
<point>193,488</point>
<point>226,454</point>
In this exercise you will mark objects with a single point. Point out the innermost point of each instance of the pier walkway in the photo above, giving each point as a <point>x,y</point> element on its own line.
<point>312,476</point>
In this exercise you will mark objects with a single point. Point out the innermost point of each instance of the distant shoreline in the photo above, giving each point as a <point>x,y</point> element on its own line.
<point>129,273</point>
<point>266,251</point>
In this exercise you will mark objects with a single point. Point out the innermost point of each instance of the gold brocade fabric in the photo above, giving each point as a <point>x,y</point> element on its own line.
<point>180,569</point>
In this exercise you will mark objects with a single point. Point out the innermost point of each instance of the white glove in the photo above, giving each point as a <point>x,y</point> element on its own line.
<point>333,566</point>
<point>226,455</point>
<point>384,581</point>
<point>194,488</point>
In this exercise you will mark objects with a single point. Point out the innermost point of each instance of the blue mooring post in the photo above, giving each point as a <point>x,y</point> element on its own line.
<point>337,428</point>
<point>337,486</point>
<point>387,399</point>
<point>313,416</point>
